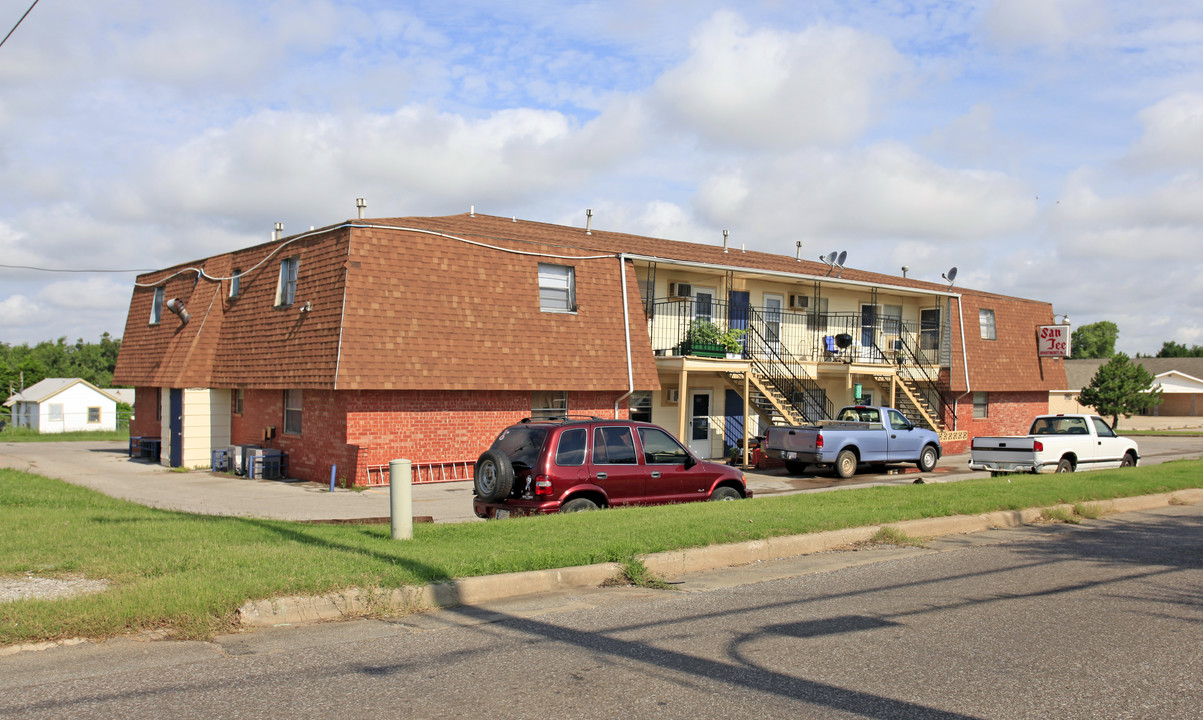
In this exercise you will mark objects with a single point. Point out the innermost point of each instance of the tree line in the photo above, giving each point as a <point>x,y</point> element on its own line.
<point>23,365</point>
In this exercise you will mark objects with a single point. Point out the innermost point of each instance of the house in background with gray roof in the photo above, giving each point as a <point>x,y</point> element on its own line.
<point>1181,381</point>
<point>56,405</point>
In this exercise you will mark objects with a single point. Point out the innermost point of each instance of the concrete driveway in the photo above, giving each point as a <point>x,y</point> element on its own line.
<point>105,467</point>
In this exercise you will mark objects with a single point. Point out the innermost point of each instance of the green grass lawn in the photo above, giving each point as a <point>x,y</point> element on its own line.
<point>190,573</point>
<point>21,434</point>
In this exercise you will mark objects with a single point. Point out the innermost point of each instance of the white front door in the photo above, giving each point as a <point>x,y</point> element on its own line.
<point>699,423</point>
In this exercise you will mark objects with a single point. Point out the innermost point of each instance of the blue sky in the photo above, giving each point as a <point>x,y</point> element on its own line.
<point>1050,149</point>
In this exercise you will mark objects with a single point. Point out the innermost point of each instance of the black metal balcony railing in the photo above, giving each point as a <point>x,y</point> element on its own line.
<point>779,342</point>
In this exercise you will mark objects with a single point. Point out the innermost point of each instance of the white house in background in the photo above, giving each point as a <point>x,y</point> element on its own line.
<point>57,405</point>
<point>1180,381</point>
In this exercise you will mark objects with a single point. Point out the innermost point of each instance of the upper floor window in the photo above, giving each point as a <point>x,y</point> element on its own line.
<point>156,307</point>
<point>286,290</point>
<point>235,282</point>
<point>986,319</point>
<point>557,288</point>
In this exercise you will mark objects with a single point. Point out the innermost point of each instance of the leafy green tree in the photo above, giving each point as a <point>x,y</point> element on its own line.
<point>1096,340</point>
<point>1171,349</point>
<point>93,362</point>
<point>1120,387</point>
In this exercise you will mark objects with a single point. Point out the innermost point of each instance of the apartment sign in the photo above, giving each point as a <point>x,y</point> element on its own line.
<point>1053,340</point>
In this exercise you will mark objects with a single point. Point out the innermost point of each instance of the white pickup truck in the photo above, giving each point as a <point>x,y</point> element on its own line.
<point>1056,443</point>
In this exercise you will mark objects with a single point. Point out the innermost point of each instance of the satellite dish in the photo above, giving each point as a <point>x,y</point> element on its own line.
<point>950,276</point>
<point>842,258</point>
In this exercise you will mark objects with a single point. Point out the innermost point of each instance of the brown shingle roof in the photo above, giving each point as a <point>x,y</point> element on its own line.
<point>402,307</point>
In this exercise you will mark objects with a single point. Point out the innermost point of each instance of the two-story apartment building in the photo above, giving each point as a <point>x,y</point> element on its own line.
<point>371,340</point>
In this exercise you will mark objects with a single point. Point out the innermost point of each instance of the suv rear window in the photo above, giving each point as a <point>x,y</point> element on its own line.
<point>521,444</point>
<point>571,450</point>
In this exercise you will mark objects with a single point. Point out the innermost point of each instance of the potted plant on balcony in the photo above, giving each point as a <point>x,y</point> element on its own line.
<point>704,339</point>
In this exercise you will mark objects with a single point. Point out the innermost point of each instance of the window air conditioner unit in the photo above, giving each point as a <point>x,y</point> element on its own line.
<point>799,302</point>
<point>680,290</point>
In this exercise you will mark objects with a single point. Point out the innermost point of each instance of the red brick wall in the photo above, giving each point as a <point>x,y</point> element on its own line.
<point>355,429</point>
<point>1008,413</point>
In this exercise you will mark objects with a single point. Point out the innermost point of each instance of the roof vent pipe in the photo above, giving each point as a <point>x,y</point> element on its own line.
<point>362,205</point>
<point>278,231</point>
<point>743,248</point>
<point>176,306</point>
<point>471,211</point>
<point>588,221</point>
<point>798,258</point>
<point>726,233</point>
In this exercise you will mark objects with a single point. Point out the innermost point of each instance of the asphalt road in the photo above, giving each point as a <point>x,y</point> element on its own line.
<point>105,467</point>
<point>1101,620</point>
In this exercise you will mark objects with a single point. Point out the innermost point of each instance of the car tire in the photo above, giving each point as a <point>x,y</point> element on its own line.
<point>1065,466</point>
<point>1128,461</point>
<point>578,505</point>
<point>793,467</point>
<point>725,492</point>
<point>493,478</point>
<point>928,459</point>
<point>845,464</point>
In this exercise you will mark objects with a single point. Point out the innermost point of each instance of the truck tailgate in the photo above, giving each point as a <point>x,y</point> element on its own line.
<point>785,439</point>
<point>1003,450</point>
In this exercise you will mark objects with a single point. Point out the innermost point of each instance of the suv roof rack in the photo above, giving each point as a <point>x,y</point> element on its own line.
<point>560,418</point>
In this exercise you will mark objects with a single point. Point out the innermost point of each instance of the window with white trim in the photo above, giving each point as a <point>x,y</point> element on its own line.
<point>986,320</point>
<point>641,405</point>
<point>981,405</point>
<point>548,404</point>
<point>235,282</point>
<point>156,307</point>
<point>292,412</point>
<point>286,290</point>
<point>557,288</point>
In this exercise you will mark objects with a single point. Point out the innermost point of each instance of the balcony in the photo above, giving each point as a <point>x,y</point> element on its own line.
<point>786,351</point>
<point>769,333</point>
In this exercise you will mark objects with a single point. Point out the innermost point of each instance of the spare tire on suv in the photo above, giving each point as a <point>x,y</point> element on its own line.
<point>494,476</point>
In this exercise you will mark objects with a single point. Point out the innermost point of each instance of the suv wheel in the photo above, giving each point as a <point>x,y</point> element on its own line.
<point>725,492</point>
<point>494,476</point>
<point>578,505</point>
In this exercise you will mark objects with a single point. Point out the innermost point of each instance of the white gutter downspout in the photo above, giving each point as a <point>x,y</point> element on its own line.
<point>956,404</point>
<point>626,322</point>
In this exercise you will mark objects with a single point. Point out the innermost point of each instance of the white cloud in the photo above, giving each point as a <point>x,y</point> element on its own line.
<point>1049,23</point>
<point>1173,134</point>
<point>18,311</point>
<point>885,191</point>
<point>770,88</point>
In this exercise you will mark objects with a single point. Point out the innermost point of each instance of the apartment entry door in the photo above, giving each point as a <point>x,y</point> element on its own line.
<point>699,423</point>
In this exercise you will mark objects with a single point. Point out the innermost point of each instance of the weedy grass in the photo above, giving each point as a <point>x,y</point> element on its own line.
<point>1059,514</point>
<point>23,434</point>
<point>190,573</point>
<point>893,536</point>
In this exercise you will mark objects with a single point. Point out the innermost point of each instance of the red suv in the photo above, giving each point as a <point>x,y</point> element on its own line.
<point>569,465</point>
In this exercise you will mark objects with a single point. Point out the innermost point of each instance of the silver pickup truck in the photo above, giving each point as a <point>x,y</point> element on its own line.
<point>859,434</point>
<point>1056,443</point>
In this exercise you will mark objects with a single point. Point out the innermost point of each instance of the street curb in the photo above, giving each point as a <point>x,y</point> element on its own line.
<point>359,602</point>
